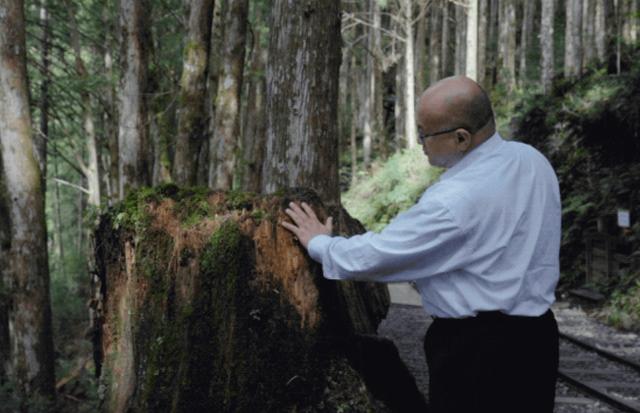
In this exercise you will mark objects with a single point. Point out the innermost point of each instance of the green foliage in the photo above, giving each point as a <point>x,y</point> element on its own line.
<point>624,306</point>
<point>394,186</point>
<point>588,128</point>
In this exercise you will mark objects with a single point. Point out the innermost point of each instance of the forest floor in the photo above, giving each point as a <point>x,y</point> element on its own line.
<point>406,325</point>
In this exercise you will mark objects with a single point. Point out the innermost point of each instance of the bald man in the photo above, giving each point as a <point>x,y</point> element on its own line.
<point>482,246</point>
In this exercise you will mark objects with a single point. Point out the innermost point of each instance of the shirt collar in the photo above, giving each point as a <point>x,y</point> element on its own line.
<point>481,150</point>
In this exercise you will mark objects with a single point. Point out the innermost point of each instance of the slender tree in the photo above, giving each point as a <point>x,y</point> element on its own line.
<point>573,39</point>
<point>461,42</point>
<point>226,131</point>
<point>421,48</point>
<point>410,132</point>
<point>588,32</point>
<point>435,41</point>
<point>526,39</point>
<point>546,44</point>
<point>192,114</point>
<point>90,169</point>
<point>483,32</point>
<point>507,42</point>
<point>133,134</point>
<point>471,66</point>
<point>25,270</point>
<point>302,90</point>
<point>45,71</point>
<point>493,34</point>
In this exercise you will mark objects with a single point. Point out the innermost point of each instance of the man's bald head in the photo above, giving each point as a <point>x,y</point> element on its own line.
<point>455,102</point>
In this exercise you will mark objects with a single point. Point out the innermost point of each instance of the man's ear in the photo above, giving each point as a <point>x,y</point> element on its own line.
<point>464,139</point>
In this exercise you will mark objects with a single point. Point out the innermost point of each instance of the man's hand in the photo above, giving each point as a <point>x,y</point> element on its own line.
<point>307,223</point>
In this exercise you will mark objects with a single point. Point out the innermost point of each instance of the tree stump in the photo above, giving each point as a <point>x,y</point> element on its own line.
<point>206,303</point>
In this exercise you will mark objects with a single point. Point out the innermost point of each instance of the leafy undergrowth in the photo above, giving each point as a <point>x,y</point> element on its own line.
<point>623,308</point>
<point>392,187</point>
<point>589,128</point>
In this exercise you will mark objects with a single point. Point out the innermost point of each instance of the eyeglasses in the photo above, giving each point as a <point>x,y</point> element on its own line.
<point>422,137</point>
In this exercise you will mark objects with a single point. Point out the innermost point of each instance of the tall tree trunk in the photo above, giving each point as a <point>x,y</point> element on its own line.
<point>546,44</point>
<point>435,42</point>
<point>410,131</point>
<point>90,168</point>
<point>493,49</point>
<point>41,137</point>
<point>353,144</point>
<point>379,130</point>
<point>226,131</point>
<point>601,30</point>
<point>483,32</point>
<point>420,55</point>
<point>110,112</point>
<point>25,272</point>
<point>192,114</point>
<point>369,86</point>
<point>526,41</point>
<point>588,33</point>
<point>399,106</point>
<point>302,89</point>
<point>133,134</point>
<point>471,66</point>
<point>446,39</point>
<point>461,36</point>
<point>507,70</point>
<point>573,40</point>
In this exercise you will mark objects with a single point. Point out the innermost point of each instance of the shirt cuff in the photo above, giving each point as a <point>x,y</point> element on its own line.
<point>317,246</point>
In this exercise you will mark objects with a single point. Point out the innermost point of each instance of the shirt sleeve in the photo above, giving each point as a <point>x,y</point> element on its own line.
<point>423,241</point>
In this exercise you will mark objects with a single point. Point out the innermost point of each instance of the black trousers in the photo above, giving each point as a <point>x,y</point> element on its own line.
<point>492,363</point>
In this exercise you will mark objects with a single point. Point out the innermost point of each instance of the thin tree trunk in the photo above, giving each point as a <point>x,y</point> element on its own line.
<point>600,30</point>
<point>446,29</point>
<point>354,120</point>
<point>25,270</point>
<point>302,146</point>
<point>91,168</point>
<point>588,34</point>
<point>526,40</point>
<point>573,41</point>
<point>435,42</point>
<point>546,44</point>
<point>110,115</point>
<point>41,137</point>
<point>379,130</point>
<point>133,134</point>
<point>461,36</point>
<point>369,89</point>
<point>471,66</point>
<point>493,49</point>
<point>399,108</point>
<point>507,74</point>
<point>226,131</point>
<point>57,202</point>
<point>483,26</point>
<point>421,47</point>
<point>192,114</point>
<point>410,132</point>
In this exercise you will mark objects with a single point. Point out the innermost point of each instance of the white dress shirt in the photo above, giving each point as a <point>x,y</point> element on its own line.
<point>484,237</point>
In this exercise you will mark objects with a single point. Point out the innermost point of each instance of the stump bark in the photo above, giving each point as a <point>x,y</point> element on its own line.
<point>205,303</point>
